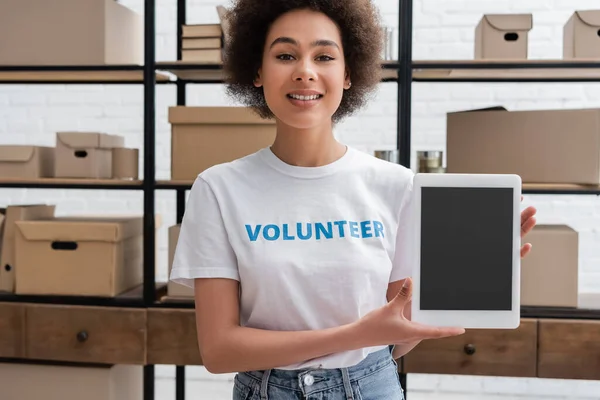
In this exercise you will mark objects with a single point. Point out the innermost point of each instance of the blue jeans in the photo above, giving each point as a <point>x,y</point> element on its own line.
<point>374,378</point>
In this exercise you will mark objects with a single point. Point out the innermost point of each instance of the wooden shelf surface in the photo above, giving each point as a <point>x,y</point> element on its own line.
<point>70,183</point>
<point>507,70</point>
<point>77,76</point>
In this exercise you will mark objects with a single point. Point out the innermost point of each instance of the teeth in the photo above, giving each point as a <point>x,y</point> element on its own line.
<point>305,98</point>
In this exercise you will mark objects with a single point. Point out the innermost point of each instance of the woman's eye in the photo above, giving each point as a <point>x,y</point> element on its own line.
<point>284,57</point>
<point>324,58</point>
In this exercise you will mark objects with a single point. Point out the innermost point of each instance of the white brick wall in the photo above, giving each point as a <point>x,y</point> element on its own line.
<point>443,29</point>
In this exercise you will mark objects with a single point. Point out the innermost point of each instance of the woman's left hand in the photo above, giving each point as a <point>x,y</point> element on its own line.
<point>528,221</point>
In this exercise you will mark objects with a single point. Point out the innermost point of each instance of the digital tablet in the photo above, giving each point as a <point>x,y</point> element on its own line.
<point>467,254</point>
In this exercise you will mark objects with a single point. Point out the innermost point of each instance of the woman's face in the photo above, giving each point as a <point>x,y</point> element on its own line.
<point>303,71</point>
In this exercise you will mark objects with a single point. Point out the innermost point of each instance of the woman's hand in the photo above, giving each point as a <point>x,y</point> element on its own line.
<point>390,324</point>
<point>528,221</point>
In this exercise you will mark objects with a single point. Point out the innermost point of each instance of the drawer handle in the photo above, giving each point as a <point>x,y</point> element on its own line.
<point>82,336</point>
<point>470,349</point>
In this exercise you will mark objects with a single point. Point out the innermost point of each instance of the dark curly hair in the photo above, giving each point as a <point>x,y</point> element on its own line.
<point>250,20</point>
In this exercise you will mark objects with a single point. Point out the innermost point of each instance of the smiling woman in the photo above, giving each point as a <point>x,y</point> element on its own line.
<point>300,253</point>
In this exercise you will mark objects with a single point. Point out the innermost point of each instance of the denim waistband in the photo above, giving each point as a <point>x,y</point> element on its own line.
<point>317,379</point>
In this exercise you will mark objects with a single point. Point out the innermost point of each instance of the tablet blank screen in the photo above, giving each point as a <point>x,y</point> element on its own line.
<point>466,248</point>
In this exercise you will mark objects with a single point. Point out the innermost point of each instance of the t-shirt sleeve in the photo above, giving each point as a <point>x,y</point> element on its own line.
<point>203,249</point>
<point>402,265</point>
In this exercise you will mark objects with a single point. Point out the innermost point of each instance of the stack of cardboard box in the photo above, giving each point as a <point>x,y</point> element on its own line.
<point>86,155</point>
<point>202,43</point>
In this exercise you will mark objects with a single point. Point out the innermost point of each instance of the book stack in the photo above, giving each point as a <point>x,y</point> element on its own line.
<point>202,43</point>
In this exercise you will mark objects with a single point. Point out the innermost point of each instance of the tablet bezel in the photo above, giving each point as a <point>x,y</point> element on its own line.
<point>477,319</point>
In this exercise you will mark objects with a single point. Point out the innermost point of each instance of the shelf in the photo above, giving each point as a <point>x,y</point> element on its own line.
<point>64,183</point>
<point>192,72</point>
<point>506,71</point>
<point>69,74</point>
<point>588,308</point>
<point>568,189</point>
<point>130,298</point>
<point>174,185</point>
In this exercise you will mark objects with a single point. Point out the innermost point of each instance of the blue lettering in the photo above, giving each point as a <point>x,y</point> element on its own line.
<point>253,235</point>
<point>378,228</point>
<point>354,229</point>
<point>299,231</point>
<point>366,229</point>
<point>275,235</point>
<point>286,235</point>
<point>340,225</point>
<point>320,229</point>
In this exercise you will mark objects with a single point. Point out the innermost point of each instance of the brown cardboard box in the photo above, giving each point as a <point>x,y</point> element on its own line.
<point>175,289</point>
<point>88,256</point>
<point>70,32</point>
<point>85,154</point>
<point>503,36</point>
<point>581,35</point>
<point>205,136</point>
<point>26,162</point>
<point>541,146</point>
<point>53,382</point>
<point>549,273</point>
<point>125,163</point>
<point>12,214</point>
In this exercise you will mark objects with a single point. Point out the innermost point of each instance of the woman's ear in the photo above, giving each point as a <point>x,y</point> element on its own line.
<point>347,81</point>
<point>258,79</point>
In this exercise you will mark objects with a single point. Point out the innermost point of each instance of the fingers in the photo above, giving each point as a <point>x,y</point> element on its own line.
<point>527,214</point>
<point>405,293</point>
<point>434,332</point>
<point>525,249</point>
<point>528,220</point>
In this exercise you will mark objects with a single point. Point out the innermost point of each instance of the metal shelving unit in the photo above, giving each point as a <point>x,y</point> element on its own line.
<point>149,75</point>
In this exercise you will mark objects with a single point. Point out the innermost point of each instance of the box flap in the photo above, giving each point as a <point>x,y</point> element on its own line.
<point>16,153</point>
<point>215,115</point>
<point>79,229</point>
<point>89,140</point>
<point>510,22</point>
<point>589,17</point>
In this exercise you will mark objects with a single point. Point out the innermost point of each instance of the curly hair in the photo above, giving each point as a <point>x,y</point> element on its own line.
<point>250,20</point>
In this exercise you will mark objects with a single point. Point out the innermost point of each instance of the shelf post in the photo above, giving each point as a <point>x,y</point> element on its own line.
<point>403,139</point>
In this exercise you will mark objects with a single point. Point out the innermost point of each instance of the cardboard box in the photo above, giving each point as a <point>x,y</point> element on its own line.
<point>87,256</point>
<point>549,273</point>
<point>70,32</point>
<point>503,36</point>
<point>205,136</point>
<point>581,35</point>
<point>13,214</point>
<point>175,289</point>
<point>541,146</point>
<point>53,382</point>
<point>125,163</point>
<point>26,162</point>
<point>85,154</point>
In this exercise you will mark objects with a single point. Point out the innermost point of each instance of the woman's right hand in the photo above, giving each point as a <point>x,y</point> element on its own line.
<point>390,325</point>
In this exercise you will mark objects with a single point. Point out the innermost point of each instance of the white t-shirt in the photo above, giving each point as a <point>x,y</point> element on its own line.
<point>313,247</point>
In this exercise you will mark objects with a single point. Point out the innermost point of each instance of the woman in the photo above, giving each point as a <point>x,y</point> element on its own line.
<point>298,252</point>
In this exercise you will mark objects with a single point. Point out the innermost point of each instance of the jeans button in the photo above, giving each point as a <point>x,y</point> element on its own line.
<point>309,380</point>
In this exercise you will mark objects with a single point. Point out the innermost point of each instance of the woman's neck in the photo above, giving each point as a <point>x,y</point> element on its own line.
<point>307,147</point>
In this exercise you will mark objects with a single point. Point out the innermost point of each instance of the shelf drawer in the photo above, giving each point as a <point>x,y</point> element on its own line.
<point>172,337</point>
<point>86,334</point>
<point>11,330</point>
<point>479,352</point>
<point>569,349</point>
